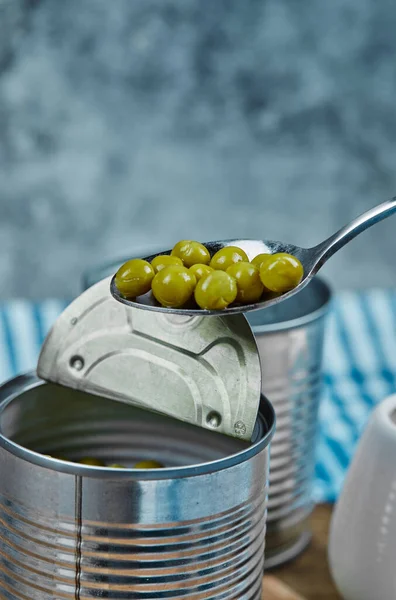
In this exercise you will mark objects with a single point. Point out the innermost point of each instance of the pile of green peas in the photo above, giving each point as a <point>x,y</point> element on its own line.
<point>143,464</point>
<point>215,282</point>
<point>97,462</point>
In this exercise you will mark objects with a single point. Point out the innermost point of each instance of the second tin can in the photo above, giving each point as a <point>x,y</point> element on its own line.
<point>290,342</point>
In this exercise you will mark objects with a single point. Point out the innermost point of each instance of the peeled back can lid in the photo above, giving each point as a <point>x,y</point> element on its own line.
<point>202,370</point>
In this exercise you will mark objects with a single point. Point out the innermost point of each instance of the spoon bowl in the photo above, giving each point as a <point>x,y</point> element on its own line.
<point>312,259</point>
<point>252,249</point>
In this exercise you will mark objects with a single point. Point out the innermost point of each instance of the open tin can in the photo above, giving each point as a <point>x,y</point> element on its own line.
<point>122,385</point>
<point>194,529</point>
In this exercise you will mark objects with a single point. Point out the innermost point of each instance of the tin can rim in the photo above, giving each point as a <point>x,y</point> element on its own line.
<point>297,322</point>
<point>263,434</point>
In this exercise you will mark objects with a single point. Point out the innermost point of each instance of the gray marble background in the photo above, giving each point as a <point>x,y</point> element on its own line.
<point>126,124</point>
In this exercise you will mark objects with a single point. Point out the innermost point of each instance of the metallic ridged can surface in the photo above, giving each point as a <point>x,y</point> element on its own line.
<point>290,341</point>
<point>194,529</point>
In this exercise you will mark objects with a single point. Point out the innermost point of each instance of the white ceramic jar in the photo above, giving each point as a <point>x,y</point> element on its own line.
<point>362,547</point>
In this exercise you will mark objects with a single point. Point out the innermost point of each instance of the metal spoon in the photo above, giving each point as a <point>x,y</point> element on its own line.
<point>312,260</point>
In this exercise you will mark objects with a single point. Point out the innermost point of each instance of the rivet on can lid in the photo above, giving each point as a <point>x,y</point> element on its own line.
<point>213,419</point>
<point>77,363</point>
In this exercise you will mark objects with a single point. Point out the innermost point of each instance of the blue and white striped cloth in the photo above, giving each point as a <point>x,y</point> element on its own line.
<point>359,368</point>
<point>359,372</point>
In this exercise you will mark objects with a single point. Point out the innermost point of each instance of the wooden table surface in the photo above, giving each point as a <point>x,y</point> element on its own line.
<point>309,575</point>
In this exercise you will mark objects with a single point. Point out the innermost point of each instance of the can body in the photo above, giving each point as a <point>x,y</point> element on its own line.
<point>290,342</point>
<point>194,529</point>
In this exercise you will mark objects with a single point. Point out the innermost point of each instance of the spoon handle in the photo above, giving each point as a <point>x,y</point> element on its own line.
<point>330,246</point>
